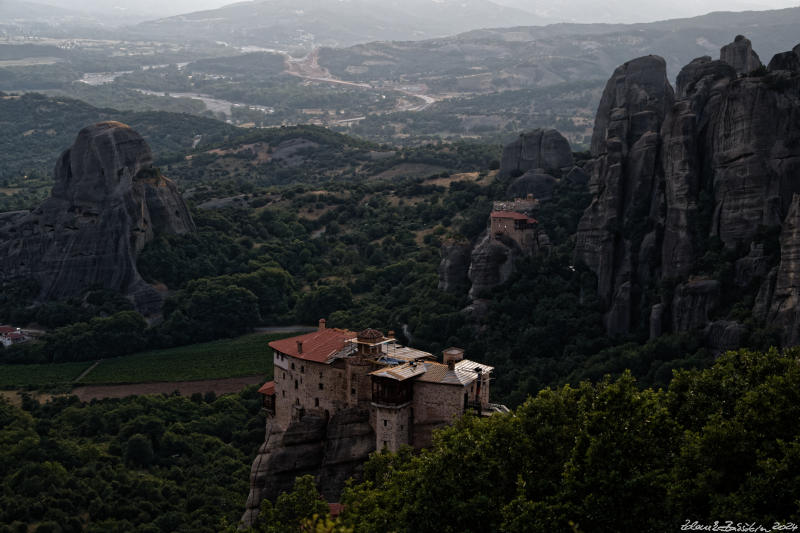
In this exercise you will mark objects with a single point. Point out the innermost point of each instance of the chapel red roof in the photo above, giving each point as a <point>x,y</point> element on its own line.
<point>335,509</point>
<point>317,346</point>
<point>7,329</point>
<point>513,215</point>
<point>268,388</point>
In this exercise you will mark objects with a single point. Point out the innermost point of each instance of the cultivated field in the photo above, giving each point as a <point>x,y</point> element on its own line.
<point>228,358</point>
<point>40,375</point>
<point>248,355</point>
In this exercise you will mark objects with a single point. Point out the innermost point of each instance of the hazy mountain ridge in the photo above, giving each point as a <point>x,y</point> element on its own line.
<point>563,52</point>
<point>278,23</point>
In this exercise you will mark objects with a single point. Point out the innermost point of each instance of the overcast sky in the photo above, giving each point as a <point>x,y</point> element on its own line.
<point>559,11</point>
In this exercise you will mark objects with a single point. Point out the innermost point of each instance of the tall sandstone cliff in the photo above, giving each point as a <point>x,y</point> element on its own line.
<point>717,160</point>
<point>108,201</point>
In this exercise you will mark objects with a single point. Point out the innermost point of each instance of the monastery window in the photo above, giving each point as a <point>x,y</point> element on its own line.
<point>292,366</point>
<point>316,402</point>
<point>321,387</point>
<point>284,393</point>
<point>297,401</point>
<point>284,375</point>
<point>302,369</point>
<point>385,444</point>
<point>295,384</point>
<point>353,391</point>
<point>320,375</point>
<point>385,422</point>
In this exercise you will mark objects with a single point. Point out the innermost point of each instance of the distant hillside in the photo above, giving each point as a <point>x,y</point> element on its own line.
<point>498,59</point>
<point>35,129</point>
<point>306,23</point>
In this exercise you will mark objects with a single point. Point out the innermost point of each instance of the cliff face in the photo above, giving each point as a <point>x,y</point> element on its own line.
<point>107,202</point>
<point>785,291</point>
<point>617,232</point>
<point>333,450</point>
<point>719,159</point>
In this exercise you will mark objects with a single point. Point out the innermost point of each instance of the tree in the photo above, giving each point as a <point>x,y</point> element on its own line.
<point>139,450</point>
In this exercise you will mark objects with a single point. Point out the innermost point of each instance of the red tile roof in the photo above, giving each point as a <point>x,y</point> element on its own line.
<point>513,215</point>
<point>7,329</point>
<point>335,509</point>
<point>318,345</point>
<point>268,388</point>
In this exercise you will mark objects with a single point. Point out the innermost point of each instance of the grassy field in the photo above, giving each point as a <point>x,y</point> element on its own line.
<point>227,358</point>
<point>40,375</point>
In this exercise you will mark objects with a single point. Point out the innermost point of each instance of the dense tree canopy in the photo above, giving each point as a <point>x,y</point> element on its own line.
<point>718,444</point>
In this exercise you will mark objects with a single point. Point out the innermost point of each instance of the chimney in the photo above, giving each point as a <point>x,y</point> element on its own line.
<point>321,324</point>
<point>451,364</point>
<point>299,346</point>
<point>452,354</point>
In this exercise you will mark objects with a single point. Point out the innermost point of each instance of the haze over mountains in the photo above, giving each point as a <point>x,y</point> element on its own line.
<point>276,23</point>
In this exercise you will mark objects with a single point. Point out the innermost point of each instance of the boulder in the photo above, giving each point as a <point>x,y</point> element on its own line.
<point>542,148</point>
<point>536,182</point>
<point>491,264</point>
<point>108,201</point>
<point>740,55</point>
<point>785,61</point>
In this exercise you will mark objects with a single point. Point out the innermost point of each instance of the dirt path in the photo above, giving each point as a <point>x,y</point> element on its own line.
<point>186,388</point>
<point>83,374</point>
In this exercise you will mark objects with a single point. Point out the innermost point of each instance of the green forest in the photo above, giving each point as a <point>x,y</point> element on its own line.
<point>717,444</point>
<point>300,223</point>
<point>144,464</point>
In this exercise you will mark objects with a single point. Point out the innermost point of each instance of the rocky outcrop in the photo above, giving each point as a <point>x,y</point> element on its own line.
<point>492,263</point>
<point>108,201</point>
<point>740,55</point>
<point>785,302</point>
<point>454,267</point>
<point>693,303</point>
<point>724,335</point>
<point>718,160</point>
<point>785,61</point>
<point>753,266</point>
<point>543,158</point>
<point>625,174</point>
<point>534,182</point>
<point>544,149</point>
<point>332,450</point>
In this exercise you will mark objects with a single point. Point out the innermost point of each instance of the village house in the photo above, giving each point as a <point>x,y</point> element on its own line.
<point>10,335</point>
<point>407,392</point>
